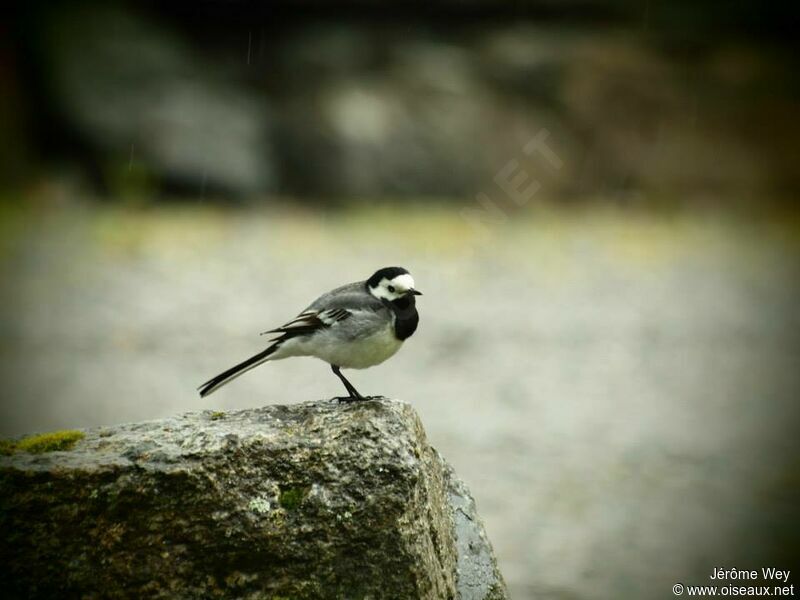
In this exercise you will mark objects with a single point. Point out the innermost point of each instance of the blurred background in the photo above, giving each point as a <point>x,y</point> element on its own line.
<point>597,198</point>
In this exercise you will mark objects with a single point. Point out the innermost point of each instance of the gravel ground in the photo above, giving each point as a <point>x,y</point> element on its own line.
<point>620,391</point>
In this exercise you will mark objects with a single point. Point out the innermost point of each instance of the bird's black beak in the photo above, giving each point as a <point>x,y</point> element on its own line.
<point>413,292</point>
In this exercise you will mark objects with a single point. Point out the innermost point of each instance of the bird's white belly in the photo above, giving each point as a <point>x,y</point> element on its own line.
<point>360,353</point>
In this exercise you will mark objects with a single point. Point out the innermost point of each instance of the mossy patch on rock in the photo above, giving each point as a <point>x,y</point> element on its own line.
<point>7,447</point>
<point>44,442</point>
<point>290,498</point>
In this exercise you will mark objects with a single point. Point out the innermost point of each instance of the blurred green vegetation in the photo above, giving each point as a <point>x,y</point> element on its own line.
<point>640,233</point>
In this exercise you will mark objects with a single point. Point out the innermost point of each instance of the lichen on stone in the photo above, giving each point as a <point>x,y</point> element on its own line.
<point>260,505</point>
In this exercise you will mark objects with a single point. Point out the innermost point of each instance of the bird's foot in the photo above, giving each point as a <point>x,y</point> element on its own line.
<point>359,398</point>
<point>349,399</point>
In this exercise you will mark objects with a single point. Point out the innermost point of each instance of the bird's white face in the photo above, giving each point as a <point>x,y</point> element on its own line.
<point>395,288</point>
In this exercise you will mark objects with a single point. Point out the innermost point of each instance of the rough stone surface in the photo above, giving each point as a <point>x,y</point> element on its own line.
<point>478,576</point>
<point>315,500</point>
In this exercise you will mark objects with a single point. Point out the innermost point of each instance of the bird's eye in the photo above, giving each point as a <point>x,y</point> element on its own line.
<point>391,288</point>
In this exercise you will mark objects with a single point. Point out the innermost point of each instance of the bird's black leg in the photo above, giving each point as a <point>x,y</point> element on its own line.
<point>354,395</point>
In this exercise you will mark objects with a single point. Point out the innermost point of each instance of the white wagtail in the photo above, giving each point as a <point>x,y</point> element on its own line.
<point>355,326</point>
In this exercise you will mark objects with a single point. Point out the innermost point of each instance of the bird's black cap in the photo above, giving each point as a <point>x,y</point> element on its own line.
<point>387,272</point>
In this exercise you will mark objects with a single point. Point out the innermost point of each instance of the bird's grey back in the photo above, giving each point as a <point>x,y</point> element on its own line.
<point>353,296</point>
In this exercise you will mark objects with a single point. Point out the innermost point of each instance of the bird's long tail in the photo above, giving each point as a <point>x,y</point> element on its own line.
<point>213,384</point>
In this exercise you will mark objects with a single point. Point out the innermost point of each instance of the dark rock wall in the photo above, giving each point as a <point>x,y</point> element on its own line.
<point>374,102</point>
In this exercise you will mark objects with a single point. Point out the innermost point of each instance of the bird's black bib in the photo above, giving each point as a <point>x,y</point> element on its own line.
<point>406,317</point>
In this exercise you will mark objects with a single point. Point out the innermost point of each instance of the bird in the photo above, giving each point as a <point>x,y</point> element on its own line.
<point>355,326</point>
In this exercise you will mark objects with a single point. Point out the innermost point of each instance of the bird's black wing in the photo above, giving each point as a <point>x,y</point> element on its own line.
<point>310,321</point>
